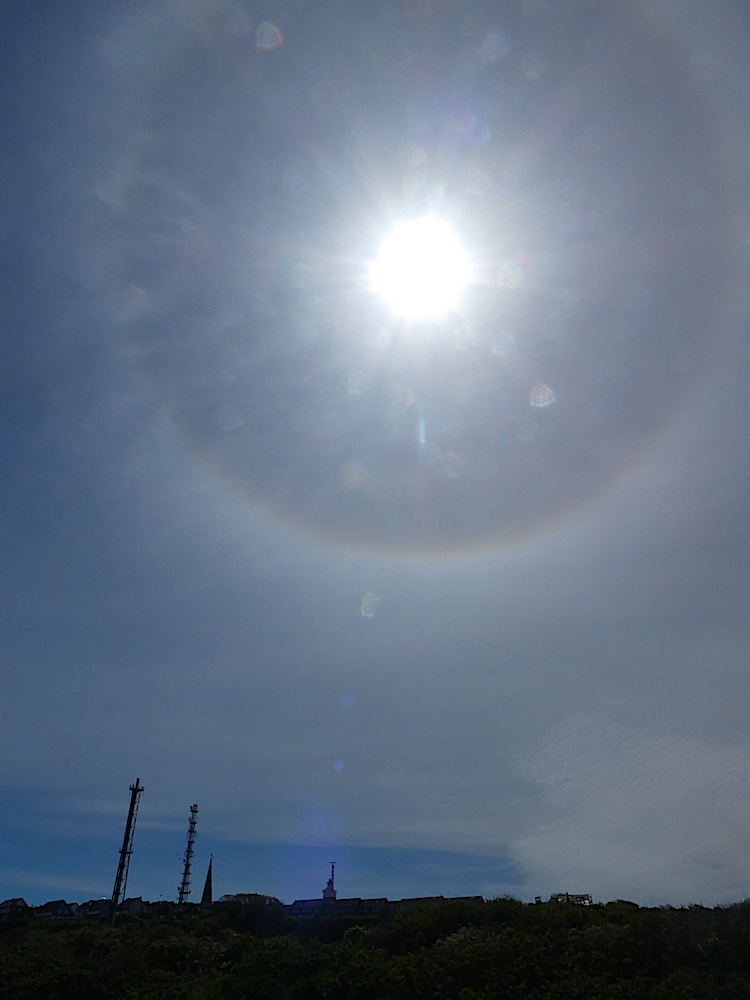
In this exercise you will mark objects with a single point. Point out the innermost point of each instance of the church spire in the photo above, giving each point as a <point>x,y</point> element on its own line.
<point>208,888</point>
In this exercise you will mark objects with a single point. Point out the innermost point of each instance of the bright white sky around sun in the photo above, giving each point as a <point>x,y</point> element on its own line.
<point>421,269</point>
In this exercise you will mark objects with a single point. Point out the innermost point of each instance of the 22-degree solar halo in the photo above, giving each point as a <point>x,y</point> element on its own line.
<point>596,245</point>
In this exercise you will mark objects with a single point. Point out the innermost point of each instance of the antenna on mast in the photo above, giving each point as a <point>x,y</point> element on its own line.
<point>329,892</point>
<point>184,889</point>
<point>121,879</point>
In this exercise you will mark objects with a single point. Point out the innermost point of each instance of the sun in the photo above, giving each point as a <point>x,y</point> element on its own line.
<point>421,269</point>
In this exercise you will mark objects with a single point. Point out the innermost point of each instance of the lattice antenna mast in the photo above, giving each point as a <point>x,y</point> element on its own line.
<point>185,884</point>
<point>121,879</point>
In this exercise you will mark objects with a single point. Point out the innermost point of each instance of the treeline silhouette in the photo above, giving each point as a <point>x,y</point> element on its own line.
<point>495,950</point>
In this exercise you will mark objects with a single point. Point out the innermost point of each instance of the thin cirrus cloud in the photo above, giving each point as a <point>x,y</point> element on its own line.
<point>635,814</point>
<point>49,880</point>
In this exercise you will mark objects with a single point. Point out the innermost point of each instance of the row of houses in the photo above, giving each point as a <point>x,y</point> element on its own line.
<point>357,907</point>
<point>57,909</point>
<point>93,909</point>
<point>330,905</point>
<point>101,909</point>
<point>326,906</point>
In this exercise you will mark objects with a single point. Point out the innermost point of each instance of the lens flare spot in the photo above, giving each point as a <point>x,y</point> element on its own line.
<point>540,395</point>
<point>368,606</point>
<point>338,766</point>
<point>527,429</point>
<point>135,299</point>
<point>357,383</point>
<point>451,465</point>
<point>465,337</point>
<point>478,182</point>
<point>495,46</point>
<point>504,346</point>
<point>472,127</point>
<point>414,155</point>
<point>268,37</point>
<point>533,65</point>
<point>429,454</point>
<point>422,189</point>
<point>355,475</point>
<point>511,275</point>
<point>403,395</point>
<point>230,418</point>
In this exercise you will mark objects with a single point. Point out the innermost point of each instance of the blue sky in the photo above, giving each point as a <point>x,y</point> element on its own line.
<point>216,442</point>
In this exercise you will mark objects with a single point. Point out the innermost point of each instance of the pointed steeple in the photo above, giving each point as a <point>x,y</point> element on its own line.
<point>208,888</point>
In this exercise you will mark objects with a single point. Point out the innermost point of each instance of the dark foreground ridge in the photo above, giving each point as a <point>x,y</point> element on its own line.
<point>252,948</point>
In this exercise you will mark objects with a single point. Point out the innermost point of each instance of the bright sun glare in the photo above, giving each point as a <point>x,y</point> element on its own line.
<point>421,269</point>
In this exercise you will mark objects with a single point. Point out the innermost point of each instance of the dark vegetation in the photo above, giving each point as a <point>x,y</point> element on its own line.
<point>497,950</point>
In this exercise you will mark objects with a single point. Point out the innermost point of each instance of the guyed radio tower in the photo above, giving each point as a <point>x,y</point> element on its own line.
<point>121,879</point>
<point>185,884</point>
